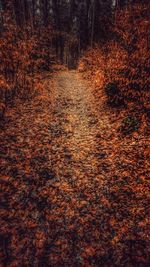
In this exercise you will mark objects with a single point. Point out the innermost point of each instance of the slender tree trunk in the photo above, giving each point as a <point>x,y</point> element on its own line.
<point>93,22</point>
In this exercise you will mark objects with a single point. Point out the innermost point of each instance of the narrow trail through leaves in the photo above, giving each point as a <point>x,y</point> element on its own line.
<point>73,192</point>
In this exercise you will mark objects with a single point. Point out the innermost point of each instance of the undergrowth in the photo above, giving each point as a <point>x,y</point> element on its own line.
<point>119,70</point>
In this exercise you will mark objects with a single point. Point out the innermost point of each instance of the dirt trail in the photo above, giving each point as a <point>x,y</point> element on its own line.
<point>75,127</point>
<point>68,184</point>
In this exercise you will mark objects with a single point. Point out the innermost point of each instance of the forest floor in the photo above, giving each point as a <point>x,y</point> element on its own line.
<point>74,191</point>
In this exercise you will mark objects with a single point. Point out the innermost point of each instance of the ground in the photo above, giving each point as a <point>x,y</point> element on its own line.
<point>74,191</point>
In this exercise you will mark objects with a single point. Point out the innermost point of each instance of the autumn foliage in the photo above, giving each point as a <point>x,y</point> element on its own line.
<point>74,152</point>
<point>24,51</point>
<point>120,68</point>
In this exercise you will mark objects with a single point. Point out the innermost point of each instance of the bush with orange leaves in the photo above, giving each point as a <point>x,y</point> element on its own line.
<point>93,63</point>
<point>121,68</point>
<point>22,53</point>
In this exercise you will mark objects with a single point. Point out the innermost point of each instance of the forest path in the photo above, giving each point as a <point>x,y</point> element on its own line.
<point>71,191</point>
<point>75,126</point>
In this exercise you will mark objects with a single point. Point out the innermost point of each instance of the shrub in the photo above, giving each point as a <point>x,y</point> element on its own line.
<point>124,59</point>
<point>23,50</point>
